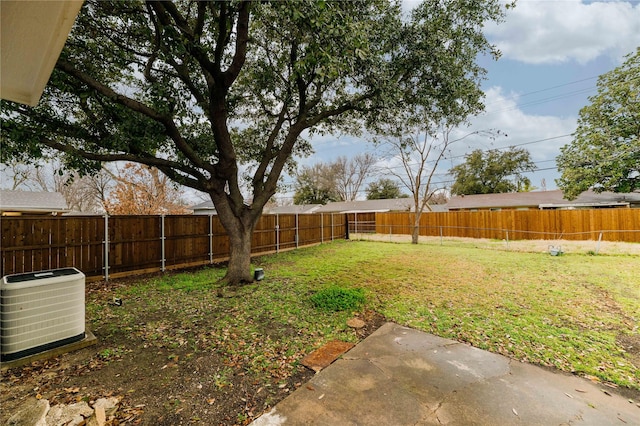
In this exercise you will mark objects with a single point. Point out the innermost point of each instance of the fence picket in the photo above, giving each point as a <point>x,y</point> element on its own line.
<point>113,246</point>
<point>108,247</point>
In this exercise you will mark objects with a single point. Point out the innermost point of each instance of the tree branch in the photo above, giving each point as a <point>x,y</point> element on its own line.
<point>134,105</point>
<point>166,11</point>
<point>258,177</point>
<point>160,163</point>
<point>111,94</point>
<point>242,40</point>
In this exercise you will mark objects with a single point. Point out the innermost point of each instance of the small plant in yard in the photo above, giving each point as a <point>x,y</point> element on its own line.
<point>336,298</point>
<point>111,354</point>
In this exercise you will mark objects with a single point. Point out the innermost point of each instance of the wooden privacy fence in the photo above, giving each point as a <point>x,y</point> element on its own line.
<point>592,224</point>
<point>124,245</point>
<point>140,244</point>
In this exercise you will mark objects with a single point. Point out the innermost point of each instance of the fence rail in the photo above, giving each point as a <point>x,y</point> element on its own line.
<point>139,244</point>
<point>592,224</point>
<point>109,247</point>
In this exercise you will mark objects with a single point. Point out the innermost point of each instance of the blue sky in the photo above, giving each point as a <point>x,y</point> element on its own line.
<point>552,54</point>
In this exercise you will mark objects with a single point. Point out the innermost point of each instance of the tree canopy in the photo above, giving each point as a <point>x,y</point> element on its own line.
<point>493,171</point>
<point>217,95</point>
<point>338,180</point>
<point>316,185</point>
<point>142,190</point>
<point>605,151</point>
<point>384,189</point>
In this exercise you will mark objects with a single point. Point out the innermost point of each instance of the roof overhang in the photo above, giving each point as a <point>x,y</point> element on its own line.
<point>19,211</point>
<point>366,211</point>
<point>32,35</point>
<point>583,205</point>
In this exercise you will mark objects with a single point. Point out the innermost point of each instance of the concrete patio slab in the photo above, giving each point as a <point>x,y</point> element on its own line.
<point>401,376</point>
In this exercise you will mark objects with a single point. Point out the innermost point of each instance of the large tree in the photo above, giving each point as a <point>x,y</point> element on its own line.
<point>493,171</point>
<point>217,94</point>
<point>338,180</point>
<point>605,151</point>
<point>420,154</point>
<point>141,189</point>
<point>351,174</point>
<point>316,185</point>
<point>384,189</point>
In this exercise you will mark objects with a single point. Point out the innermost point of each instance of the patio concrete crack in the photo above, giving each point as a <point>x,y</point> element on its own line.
<point>436,411</point>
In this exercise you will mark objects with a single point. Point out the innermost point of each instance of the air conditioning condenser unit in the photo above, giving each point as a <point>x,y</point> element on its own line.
<point>41,311</point>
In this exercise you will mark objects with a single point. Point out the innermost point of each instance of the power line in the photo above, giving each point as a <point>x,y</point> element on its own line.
<point>542,101</point>
<point>489,149</point>
<point>444,182</point>
<point>504,147</point>
<point>545,89</point>
<point>535,102</point>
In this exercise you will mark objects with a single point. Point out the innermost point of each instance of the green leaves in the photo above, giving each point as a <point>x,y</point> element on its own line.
<point>336,298</point>
<point>199,89</point>
<point>493,171</point>
<point>384,189</point>
<point>316,184</point>
<point>605,152</point>
<point>154,81</point>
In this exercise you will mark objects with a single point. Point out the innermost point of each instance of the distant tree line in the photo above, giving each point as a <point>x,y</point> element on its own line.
<point>126,189</point>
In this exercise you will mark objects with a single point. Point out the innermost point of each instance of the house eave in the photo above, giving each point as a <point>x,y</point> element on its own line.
<point>32,35</point>
<point>582,205</point>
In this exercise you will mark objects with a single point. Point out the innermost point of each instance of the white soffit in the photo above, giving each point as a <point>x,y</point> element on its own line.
<point>32,35</point>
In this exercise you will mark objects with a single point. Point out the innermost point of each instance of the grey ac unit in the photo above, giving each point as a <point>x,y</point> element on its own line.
<point>40,311</point>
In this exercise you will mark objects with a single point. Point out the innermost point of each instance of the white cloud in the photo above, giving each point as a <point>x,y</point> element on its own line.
<point>520,127</point>
<point>539,32</point>
<point>541,135</point>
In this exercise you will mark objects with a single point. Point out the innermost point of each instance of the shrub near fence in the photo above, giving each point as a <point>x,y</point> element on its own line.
<point>592,224</point>
<point>142,244</point>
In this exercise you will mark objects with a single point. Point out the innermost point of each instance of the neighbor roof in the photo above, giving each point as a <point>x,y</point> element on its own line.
<point>294,209</point>
<point>394,204</point>
<point>32,202</point>
<point>205,207</point>
<point>540,199</point>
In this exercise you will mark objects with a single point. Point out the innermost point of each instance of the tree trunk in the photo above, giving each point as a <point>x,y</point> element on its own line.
<point>239,226</point>
<point>415,232</point>
<point>239,267</point>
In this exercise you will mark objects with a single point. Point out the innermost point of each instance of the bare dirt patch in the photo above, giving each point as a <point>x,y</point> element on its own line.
<point>531,246</point>
<point>631,344</point>
<point>168,365</point>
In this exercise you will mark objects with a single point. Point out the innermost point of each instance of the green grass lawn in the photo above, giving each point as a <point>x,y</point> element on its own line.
<point>575,312</point>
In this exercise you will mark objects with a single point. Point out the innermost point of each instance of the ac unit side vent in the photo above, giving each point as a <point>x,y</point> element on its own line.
<point>40,311</point>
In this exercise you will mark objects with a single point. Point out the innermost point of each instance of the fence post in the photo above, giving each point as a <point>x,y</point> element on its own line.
<point>277,233</point>
<point>321,228</point>
<point>355,221</point>
<point>598,245</point>
<point>106,247</point>
<point>210,239</point>
<point>346,221</point>
<point>440,235</point>
<point>331,226</point>
<point>297,230</point>
<point>162,238</point>
<point>507,232</point>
